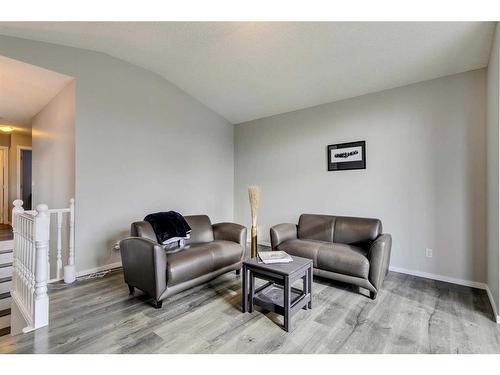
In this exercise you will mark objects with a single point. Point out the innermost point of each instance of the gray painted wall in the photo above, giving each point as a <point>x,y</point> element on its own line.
<point>492,170</point>
<point>425,175</point>
<point>53,142</point>
<point>141,144</point>
<point>53,167</point>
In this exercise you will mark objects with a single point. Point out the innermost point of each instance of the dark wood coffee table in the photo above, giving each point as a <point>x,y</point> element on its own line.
<point>277,294</point>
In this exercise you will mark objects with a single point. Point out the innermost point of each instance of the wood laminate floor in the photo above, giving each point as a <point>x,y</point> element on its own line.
<point>410,315</point>
<point>6,232</point>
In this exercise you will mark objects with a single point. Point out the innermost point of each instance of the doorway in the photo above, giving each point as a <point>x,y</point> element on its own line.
<point>4,185</point>
<point>24,160</point>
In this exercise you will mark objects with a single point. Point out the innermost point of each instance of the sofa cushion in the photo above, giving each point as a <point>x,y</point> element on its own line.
<point>201,229</point>
<point>225,253</point>
<point>316,227</point>
<point>356,230</point>
<point>345,259</point>
<point>200,259</point>
<point>189,263</point>
<point>302,248</point>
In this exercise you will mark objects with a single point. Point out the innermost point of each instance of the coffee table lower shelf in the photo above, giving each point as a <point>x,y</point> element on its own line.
<point>270,297</point>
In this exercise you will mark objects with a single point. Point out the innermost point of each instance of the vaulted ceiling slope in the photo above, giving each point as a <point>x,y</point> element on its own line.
<point>25,90</point>
<point>245,71</point>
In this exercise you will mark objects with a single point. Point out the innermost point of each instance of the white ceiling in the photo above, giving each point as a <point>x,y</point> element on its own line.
<point>245,71</point>
<point>24,90</point>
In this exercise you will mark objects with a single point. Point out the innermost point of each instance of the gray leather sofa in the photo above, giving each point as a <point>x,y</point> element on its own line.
<point>160,272</point>
<point>347,249</point>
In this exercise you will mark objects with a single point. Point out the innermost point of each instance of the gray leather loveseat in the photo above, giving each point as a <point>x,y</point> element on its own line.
<point>348,249</point>
<point>160,272</point>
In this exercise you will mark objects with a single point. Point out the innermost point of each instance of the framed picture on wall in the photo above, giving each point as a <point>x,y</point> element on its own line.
<point>345,156</point>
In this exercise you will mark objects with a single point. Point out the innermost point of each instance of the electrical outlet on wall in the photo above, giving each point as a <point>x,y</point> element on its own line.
<point>428,253</point>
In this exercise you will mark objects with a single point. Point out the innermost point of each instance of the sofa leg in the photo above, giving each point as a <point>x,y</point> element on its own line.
<point>238,272</point>
<point>157,304</point>
<point>131,289</point>
<point>373,295</point>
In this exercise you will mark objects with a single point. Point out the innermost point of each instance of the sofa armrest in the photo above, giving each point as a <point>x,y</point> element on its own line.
<point>144,265</point>
<point>230,232</point>
<point>281,233</point>
<point>379,255</point>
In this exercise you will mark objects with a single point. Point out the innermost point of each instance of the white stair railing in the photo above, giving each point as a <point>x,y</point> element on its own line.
<point>31,263</point>
<point>30,269</point>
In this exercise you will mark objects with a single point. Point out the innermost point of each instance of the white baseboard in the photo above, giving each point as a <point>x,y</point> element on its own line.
<point>433,276</point>
<point>99,269</point>
<point>106,267</point>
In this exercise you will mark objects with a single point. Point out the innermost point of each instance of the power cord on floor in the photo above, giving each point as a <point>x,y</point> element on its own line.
<point>95,275</point>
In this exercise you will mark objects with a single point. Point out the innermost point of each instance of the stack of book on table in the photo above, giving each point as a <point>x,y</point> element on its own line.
<point>272,257</point>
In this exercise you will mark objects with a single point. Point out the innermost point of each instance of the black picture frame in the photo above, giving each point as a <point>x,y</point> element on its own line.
<point>346,165</point>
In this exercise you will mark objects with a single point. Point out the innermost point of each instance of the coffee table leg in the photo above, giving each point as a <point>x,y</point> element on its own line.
<point>305,286</point>
<point>252,292</point>
<point>309,286</point>
<point>244,292</point>
<point>287,293</point>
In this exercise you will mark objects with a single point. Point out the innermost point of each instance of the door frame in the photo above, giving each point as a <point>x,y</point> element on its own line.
<point>18,171</point>
<point>5,150</point>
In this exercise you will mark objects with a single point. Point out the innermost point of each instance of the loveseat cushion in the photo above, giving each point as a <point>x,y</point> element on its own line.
<point>302,248</point>
<point>189,263</point>
<point>356,230</point>
<point>345,259</point>
<point>200,259</point>
<point>225,253</point>
<point>316,227</point>
<point>201,229</point>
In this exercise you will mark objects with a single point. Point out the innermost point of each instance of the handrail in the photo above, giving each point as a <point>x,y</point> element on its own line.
<point>56,210</point>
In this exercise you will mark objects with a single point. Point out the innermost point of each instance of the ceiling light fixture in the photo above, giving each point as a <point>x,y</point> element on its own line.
<point>6,129</point>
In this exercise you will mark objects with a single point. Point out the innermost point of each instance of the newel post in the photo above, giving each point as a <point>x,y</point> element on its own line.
<point>18,209</point>
<point>42,232</point>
